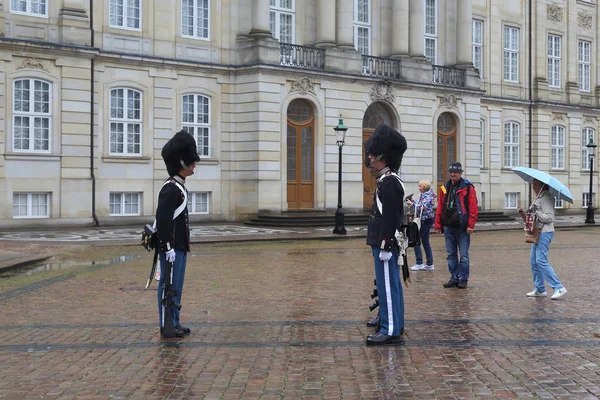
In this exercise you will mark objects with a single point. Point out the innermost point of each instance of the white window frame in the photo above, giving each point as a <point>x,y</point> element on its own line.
<point>193,200</point>
<point>559,203</point>
<point>584,65</point>
<point>28,8</point>
<point>558,143</point>
<point>554,60</point>
<point>199,126</point>
<point>585,198</point>
<point>586,134</point>
<point>34,117</point>
<point>511,53</point>
<point>127,122</point>
<point>275,14</point>
<point>124,4</point>
<point>362,26</point>
<point>123,203</point>
<point>197,10</point>
<point>512,146</point>
<point>511,200</point>
<point>29,204</point>
<point>430,33</point>
<point>477,45</point>
<point>481,143</point>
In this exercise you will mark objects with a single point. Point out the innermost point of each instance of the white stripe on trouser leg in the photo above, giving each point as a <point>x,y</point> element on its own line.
<point>388,297</point>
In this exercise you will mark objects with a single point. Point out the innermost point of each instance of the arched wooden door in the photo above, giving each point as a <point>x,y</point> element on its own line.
<point>376,114</point>
<point>300,155</point>
<point>446,146</point>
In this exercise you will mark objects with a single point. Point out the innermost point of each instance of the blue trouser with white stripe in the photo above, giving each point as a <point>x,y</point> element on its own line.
<point>389,292</point>
<point>178,277</point>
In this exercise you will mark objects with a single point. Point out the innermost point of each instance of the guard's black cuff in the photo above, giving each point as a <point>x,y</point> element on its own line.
<point>386,244</point>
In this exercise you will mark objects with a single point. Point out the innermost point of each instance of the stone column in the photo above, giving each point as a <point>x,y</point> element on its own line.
<point>400,24</point>
<point>326,28</point>
<point>344,24</point>
<point>417,28</point>
<point>261,26</point>
<point>464,56</point>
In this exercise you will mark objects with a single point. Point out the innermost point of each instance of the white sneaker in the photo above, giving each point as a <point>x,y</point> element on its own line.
<point>535,293</point>
<point>558,293</point>
<point>428,267</point>
<point>417,267</point>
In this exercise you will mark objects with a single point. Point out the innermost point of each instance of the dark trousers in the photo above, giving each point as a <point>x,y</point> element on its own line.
<point>178,277</point>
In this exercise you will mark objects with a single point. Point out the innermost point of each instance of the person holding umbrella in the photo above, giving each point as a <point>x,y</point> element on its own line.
<point>543,210</point>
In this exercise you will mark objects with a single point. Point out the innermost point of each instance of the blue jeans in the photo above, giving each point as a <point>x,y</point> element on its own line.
<point>457,241</point>
<point>540,267</point>
<point>389,292</point>
<point>424,234</point>
<point>178,277</point>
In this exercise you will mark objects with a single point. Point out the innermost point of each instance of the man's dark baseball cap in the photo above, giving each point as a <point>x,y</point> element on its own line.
<point>455,167</point>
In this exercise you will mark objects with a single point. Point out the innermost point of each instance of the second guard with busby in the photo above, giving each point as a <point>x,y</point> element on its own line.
<point>384,151</point>
<point>172,226</point>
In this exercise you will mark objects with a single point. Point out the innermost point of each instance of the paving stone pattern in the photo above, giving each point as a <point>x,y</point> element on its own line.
<point>285,320</point>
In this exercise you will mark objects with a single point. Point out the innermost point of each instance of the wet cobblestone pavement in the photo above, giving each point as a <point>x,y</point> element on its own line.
<point>273,320</point>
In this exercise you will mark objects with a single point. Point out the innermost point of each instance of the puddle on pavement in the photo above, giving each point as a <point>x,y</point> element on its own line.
<point>28,270</point>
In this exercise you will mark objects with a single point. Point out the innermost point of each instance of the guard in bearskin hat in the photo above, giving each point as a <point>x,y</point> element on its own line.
<point>172,223</point>
<point>383,153</point>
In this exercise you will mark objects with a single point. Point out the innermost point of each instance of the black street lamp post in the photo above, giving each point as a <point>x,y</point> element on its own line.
<point>340,136</point>
<point>589,215</point>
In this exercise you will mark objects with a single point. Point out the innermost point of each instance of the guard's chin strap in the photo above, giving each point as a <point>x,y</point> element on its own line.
<point>186,168</point>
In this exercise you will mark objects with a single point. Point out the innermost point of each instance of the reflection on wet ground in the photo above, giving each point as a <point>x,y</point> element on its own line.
<point>28,270</point>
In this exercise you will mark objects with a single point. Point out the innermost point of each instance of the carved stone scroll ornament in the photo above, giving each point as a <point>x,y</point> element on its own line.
<point>585,19</point>
<point>555,12</point>
<point>449,101</point>
<point>558,117</point>
<point>382,91</point>
<point>33,63</point>
<point>303,86</point>
<point>589,120</point>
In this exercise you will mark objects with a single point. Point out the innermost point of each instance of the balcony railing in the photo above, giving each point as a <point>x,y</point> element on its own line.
<point>448,76</point>
<point>381,67</point>
<point>301,56</point>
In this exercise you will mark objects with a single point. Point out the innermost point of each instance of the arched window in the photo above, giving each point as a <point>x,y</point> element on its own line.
<point>125,122</point>
<point>511,144</point>
<point>558,147</point>
<point>587,134</point>
<point>195,119</point>
<point>32,116</point>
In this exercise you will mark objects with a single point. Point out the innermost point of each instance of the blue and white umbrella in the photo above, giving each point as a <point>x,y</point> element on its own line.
<point>556,187</point>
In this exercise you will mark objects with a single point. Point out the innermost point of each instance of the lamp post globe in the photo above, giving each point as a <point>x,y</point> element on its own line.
<point>589,215</point>
<point>340,137</point>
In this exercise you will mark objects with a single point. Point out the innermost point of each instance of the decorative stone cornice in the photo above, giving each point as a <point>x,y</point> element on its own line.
<point>303,86</point>
<point>585,19</point>
<point>382,91</point>
<point>33,63</point>
<point>554,12</point>
<point>448,100</point>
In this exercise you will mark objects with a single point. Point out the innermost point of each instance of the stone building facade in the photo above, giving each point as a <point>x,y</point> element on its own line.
<point>91,90</point>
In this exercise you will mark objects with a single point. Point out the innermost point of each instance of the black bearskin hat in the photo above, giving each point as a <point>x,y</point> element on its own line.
<point>388,143</point>
<point>180,148</point>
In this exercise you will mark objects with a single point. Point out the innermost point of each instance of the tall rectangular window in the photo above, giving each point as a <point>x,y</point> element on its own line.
<point>558,147</point>
<point>431,31</point>
<point>125,14</point>
<point>585,198</point>
<point>587,134</point>
<point>362,26</point>
<point>511,200</point>
<point>195,18</point>
<point>511,144</point>
<point>511,54</point>
<point>124,203</point>
<point>195,119</point>
<point>125,122</point>
<point>37,8</point>
<point>584,65</point>
<point>477,45</point>
<point>481,143</point>
<point>554,51</point>
<point>199,203</point>
<point>32,119</point>
<point>282,20</point>
<point>31,205</point>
